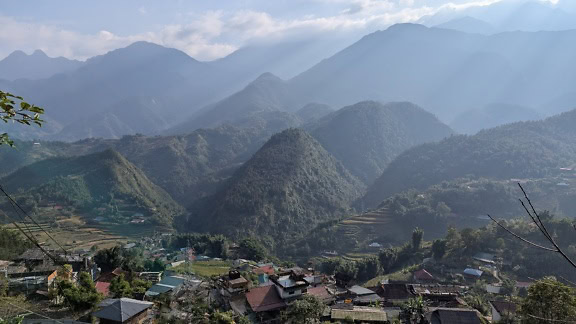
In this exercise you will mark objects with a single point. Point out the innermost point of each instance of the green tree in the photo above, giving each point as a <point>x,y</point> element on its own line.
<point>549,301</point>
<point>109,259</point>
<point>252,249</point>
<point>388,259</point>
<point>120,287</point>
<point>417,236</point>
<point>438,249</point>
<point>14,108</point>
<point>368,268</point>
<point>81,296</point>
<point>414,310</point>
<point>346,271</point>
<point>304,310</point>
<point>12,320</point>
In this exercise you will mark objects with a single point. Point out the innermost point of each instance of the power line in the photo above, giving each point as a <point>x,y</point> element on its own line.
<point>34,221</point>
<point>44,316</point>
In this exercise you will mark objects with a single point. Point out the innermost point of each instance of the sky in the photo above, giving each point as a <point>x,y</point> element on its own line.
<point>204,29</point>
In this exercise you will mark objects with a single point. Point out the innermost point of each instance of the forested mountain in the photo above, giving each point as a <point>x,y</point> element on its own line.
<point>37,65</point>
<point>104,180</point>
<point>519,150</point>
<point>188,167</point>
<point>470,122</point>
<point>286,188</point>
<point>366,136</point>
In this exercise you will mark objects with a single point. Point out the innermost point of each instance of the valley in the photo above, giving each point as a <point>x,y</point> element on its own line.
<point>417,166</point>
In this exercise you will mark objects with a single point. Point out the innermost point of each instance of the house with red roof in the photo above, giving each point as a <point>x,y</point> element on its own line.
<point>103,288</point>
<point>264,299</point>
<point>423,276</point>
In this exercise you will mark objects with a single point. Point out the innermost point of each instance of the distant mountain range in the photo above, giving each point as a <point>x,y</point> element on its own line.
<point>145,88</point>
<point>506,16</point>
<point>530,149</point>
<point>37,65</point>
<point>472,121</point>
<point>446,71</point>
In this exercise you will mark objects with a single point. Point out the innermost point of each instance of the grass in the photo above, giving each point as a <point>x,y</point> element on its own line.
<point>204,268</point>
<point>402,275</point>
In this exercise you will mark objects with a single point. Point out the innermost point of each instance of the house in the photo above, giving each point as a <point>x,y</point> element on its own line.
<point>473,273</point>
<point>393,292</point>
<point>502,309</point>
<point>484,257</point>
<point>103,288</point>
<point>423,276</point>
<point>363,296</point>
<point>108,276</point>
<point>234,283</point>
<point>523,284</point>
<point>322,293</point>
<point>153,277</point>
<point>129,246</point>
<point>264,299</point>
<point>264,272</point>
<point>170,284</point>
<point>454,316</point>
<point>375,245</point>
<point>359,314</point>
<point>123,310</point>
<point>290,284</point>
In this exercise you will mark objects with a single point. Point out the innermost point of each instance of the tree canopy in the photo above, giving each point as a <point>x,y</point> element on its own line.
<point>14,108</point>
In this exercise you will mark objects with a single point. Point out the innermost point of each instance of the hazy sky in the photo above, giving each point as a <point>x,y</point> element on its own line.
<point>205,29</point>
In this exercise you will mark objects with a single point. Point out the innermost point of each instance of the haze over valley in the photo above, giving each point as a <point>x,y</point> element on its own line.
<point>288,162</point>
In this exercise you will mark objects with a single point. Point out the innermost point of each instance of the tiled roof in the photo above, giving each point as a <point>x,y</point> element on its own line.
<point>103,287</point>
<point>321,293</point>
<point>455,316</point>
<point>395,291</point>
<point>262,299</point>
<point>121,310</point>
<point>423,275</point>
<point>360,314</point>
<point>504,307</point>
<point>32,254</point>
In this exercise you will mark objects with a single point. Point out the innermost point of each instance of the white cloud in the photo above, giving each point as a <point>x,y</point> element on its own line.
<point>214,34</point>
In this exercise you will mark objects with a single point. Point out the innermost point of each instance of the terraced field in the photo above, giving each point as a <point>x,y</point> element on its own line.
<point>74,234</point>
<point>373,226</point>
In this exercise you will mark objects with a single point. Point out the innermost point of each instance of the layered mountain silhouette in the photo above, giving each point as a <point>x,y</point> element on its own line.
<point>366,136</point>
<point>37,65</point>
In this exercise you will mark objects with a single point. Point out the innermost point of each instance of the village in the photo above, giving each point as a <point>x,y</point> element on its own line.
<point>257,291</point>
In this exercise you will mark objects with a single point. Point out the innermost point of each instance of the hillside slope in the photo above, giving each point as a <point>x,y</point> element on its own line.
<point>91,182</point>
<point>286,188</point>
<point>366,136</point>
<point>519,150</point>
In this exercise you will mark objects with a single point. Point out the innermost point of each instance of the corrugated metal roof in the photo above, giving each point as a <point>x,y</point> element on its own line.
<point>122,309</point>
<point>473,272</point>
<point>359,290</point>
